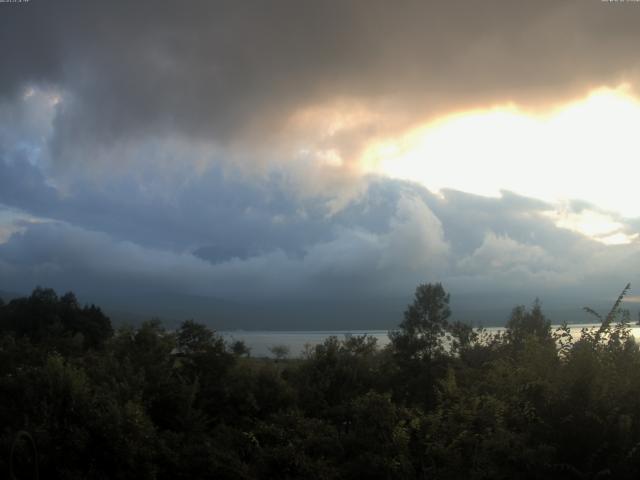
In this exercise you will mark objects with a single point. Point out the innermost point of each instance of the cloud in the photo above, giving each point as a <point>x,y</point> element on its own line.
<point>214,148</point>
<point>237,74</point>
<point>353,260</point>
<point>503,259</point>
<point>415,241</point>
<point>392,237</point>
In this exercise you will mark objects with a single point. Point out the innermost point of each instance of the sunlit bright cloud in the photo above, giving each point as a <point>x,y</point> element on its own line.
<point>586,150</point>
<point>599,226</point>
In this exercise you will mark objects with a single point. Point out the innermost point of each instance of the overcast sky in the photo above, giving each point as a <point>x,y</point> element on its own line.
<point>286,151</point>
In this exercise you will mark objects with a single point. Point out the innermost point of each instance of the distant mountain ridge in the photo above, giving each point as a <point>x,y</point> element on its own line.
<point>312,314</point>
<point>320,314</point>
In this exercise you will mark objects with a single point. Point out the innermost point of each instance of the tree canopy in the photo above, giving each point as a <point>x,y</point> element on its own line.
<point>79,399</point>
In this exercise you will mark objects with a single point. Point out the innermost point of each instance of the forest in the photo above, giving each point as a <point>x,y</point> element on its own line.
<point>82,399</point>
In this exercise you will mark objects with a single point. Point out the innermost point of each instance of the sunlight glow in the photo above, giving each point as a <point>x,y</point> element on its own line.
<point>599,226</point>
<point>587,150</point>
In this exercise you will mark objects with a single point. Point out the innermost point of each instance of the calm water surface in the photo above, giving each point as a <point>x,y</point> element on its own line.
<point>260,341</point>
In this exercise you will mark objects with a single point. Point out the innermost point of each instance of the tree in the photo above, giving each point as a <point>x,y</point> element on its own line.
<point>421,333</point>
<point>44,316</point>
<point>240,349</point>
<point>195,338</point>
<point>616,311</point>
<point>525,323</point>
<point>419,347</point>
<point>94,325</point>
<point>280,351</point>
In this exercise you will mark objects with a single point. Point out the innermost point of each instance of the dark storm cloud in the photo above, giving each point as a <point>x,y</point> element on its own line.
<point>342,260</point>
<point>229,70</point>
<point>227,242</point>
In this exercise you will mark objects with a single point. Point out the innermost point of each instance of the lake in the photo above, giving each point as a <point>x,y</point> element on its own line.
<point>260,341</point>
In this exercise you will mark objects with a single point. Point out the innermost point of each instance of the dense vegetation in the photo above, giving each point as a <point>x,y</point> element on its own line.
<point>441,401</point>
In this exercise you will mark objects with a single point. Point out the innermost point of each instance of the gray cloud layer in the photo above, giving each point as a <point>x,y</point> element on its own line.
<point>235,71</point>
<point>243,241</point>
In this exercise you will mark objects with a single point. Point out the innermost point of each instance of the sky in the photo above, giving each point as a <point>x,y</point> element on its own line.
<point>303,164</point>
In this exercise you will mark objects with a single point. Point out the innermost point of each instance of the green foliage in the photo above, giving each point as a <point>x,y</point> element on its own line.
<point>280,352</point>
<point>194,338</point>
<point>441,401</point>
<point>335,372</point>
<point>43,317</point>
<point>240,349</point>
<point>421,333</point>
<point>525,323</point>
<point>420,346</point>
